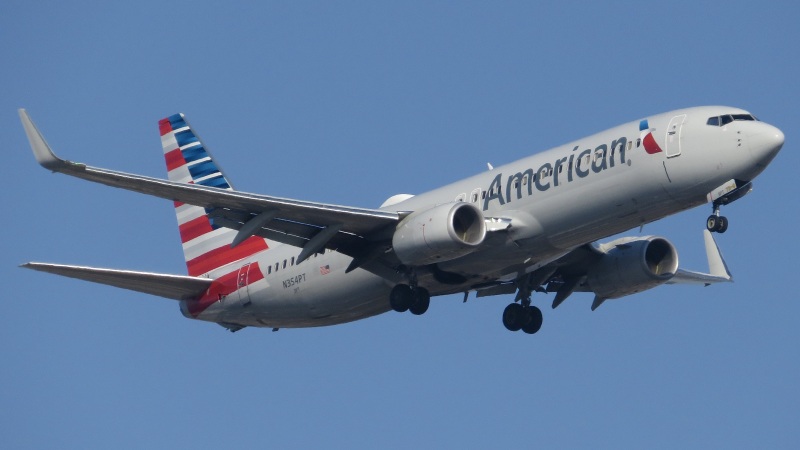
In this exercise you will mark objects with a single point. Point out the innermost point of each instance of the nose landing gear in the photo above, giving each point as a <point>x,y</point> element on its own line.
<point>735,189</point>
<point>715,222</point>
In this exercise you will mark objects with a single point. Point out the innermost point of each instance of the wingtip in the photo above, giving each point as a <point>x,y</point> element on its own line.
<point>41,150</point>
<point>716,263</point>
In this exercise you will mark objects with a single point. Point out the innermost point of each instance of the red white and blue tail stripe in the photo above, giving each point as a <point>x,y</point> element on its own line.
<point>205,246</point>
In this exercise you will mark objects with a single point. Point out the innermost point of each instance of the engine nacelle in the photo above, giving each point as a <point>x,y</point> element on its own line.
<point>633,265</point>
<point>439,234</point>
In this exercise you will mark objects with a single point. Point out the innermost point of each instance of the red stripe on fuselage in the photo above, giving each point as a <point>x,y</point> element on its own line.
<point>194,228</point>
<point>223,287</point>
<point>225,255</point>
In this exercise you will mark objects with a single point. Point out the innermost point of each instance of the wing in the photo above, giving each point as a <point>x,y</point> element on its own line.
<point>718,269</point>
<point>357,232</point>
<point>615,269</point>
<point>176,287</point>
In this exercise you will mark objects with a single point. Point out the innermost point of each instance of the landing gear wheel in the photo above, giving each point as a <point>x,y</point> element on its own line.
<point>515,316</point>
<point>422,300</point>
<point>401,298</point>
<point>711,223</point>
<point>722,224</point>
<point>717,224</point>
<point>536,320</point>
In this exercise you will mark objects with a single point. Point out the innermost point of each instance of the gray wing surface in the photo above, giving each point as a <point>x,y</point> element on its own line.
<point>176,287</point>
<point>294,222</point>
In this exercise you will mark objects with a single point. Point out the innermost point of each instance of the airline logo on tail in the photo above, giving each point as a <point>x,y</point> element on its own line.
<point>205,246</point>
<point>650,144</point>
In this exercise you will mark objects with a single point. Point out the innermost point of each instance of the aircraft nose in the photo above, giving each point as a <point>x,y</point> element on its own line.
<point>766,142</point>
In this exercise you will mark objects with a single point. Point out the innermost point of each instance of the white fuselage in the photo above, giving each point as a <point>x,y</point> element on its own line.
<point>555,201</point>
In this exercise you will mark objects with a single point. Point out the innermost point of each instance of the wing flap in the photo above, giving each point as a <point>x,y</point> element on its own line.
<point>176,287</point>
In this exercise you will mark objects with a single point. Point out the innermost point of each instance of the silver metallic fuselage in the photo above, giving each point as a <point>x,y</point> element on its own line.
<point>615,190</point>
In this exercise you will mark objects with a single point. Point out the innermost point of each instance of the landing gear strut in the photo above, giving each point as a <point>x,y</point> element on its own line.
<point>717,223</point>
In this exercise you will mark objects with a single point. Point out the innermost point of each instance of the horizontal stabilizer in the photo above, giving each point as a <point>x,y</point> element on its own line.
<point>176,287</point>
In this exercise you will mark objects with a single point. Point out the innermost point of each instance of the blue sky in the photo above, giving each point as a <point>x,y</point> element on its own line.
<point>350,103</point>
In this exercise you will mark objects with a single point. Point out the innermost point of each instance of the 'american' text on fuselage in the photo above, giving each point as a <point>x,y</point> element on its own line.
<point>581,166</point>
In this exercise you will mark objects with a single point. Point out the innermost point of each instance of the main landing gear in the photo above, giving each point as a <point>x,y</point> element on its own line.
<point>410,298</point>
<point>527,318</point>
<point>717,223</point>
<point>524,316</point>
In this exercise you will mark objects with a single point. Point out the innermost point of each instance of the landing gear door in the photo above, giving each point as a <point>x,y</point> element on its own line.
<point>673,139</point>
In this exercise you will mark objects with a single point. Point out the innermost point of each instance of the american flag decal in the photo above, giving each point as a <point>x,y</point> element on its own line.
<point>324,270</point>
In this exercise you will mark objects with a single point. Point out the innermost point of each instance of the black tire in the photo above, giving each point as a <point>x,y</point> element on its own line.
<point>401,298</point>
<point>536,320</point>
<point>514,316</point>
<point>422,301</point>
<point>712,223</point>
<point>722,224</point>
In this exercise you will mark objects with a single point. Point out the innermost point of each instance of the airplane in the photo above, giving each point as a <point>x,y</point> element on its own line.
<point>529,226</point>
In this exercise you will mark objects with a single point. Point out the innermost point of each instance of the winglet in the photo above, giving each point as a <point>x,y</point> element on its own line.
<point>44,155</point>
<point>716,265</point>
<point>718,270</point>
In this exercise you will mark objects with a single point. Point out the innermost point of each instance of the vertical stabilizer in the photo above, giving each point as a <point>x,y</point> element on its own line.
<point>205,246</point>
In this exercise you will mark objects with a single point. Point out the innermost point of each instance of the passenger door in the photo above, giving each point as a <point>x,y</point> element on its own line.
<point>673,138</point>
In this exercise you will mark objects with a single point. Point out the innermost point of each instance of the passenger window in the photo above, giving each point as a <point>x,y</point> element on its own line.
<point>269,269</point>
<point>292,260</point>
<point>630,144</point>
<point>277,265</point>
<point>284,263</point>
<point>638,142</point>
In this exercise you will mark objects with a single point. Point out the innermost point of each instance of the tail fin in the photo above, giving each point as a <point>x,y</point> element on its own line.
<point>205,246</point>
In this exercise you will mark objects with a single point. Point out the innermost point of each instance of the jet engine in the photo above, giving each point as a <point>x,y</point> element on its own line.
<point>441,233</point>
<point>631,265</point>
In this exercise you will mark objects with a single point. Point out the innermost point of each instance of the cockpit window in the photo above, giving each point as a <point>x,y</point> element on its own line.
<point>725,119</point>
